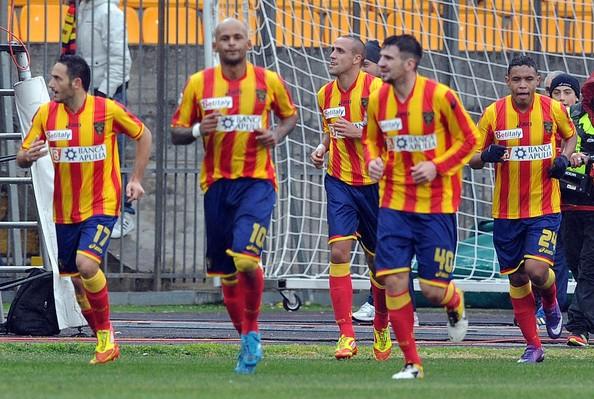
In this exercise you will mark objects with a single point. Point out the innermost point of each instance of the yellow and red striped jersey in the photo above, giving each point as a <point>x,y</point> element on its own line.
<point>431,125</point>
<point>522,188</point>
<point>84,151</point>
<point>346,161</point>
<point>245,104</point>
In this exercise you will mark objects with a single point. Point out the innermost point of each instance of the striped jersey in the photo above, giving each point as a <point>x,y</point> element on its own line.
<point>346,160</point>
<point>84,152</point>
<point>522,188</point>
<point>430,125</point>
<point>233,152</point>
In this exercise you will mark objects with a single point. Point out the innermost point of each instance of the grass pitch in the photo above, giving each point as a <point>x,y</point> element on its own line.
<point>288,371</point>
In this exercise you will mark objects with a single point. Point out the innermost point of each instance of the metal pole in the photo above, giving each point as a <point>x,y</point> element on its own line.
<point>160,146</point>
<point>209,20</point>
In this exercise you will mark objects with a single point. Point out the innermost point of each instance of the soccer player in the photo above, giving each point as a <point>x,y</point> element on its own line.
<point>352,196</point>
<point>80,130</point>
<point>367,311</point>
<point>417,140</point>
<point>228,108</point>
<point>518,136</point>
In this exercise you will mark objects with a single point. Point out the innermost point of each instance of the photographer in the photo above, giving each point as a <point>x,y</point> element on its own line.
<point>577,225</point>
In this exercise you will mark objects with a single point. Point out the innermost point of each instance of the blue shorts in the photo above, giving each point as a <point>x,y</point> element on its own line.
<point>89,238</point>
<point>237,216</point>
<point>431,237</point>
<point>352,212</point>
<point>517,239</point>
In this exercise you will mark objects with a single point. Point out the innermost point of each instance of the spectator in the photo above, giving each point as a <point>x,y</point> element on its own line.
<point>578,221</point>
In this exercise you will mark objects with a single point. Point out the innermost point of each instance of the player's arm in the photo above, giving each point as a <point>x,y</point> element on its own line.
<point>187,135</point>
<point>134,189</point>
<point>487,151</point>
<point>34,146</point>
<point>568,134</point>
<point>347,129</point>
<point>185,123</point>
<point>463,131</point>
<point>372,139</point>
<point>317,156</point>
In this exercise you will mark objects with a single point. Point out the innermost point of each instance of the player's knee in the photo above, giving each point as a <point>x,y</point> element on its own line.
<point>432,293</point>
<point>340,251</point>
<point>245,264</point>
<point>86,266</point>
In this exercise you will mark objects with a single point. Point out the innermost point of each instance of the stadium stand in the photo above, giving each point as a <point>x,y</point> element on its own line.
<point>183,27</point>
<point>132,25</point>
<point>35,17</point>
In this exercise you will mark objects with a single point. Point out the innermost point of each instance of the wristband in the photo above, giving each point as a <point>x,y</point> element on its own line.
<point>196,130</point>
<point>321,147</point>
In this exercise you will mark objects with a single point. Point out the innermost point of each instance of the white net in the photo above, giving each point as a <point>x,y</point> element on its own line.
<point>467,45</point>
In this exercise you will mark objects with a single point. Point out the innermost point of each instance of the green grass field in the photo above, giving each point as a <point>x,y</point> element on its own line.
<point>288,371</point>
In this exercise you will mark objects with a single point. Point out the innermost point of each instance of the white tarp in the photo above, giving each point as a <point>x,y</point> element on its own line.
<point>29,95</point>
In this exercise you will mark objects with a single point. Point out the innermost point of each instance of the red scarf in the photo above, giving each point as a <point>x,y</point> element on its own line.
<point>69,30</point>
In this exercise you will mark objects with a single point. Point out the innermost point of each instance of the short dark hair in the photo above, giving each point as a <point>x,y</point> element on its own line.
<point>406,44</point>
<point>521,60</point>
<point>359,46</point>
<point>77,67</point>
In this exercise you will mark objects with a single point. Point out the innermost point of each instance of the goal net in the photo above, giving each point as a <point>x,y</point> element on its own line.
<point>467,45</point>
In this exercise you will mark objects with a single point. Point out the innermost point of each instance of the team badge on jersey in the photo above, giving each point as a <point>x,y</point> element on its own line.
<point>364,102</point>
<point>548,127</point>
<point>99,127</point>
<point>428,117</point>
<point>261,95</point>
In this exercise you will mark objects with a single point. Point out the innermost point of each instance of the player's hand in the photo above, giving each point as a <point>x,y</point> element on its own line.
<point>376,169</point>
<point>344,128</point>
<point>578,159</point>
<point>493,153</point>
<point>317,156</point>
<point>37,150</point>
<point>208,124</point>
<point>560,164</point>
<point>266,137</point>
<point>134,190</point>
<point>423,172</point>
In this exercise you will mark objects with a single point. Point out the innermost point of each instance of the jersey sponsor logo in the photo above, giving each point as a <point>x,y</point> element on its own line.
<point>79,154</point>
<point>334,134</point>
<point>509,134</point>
<point>408,143</point>
<point>391,124</point>
<point>528,152</point>
<point>244,123</point>
<point>209,104</point>
<point>56,135</point>
<point>335,112</point>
